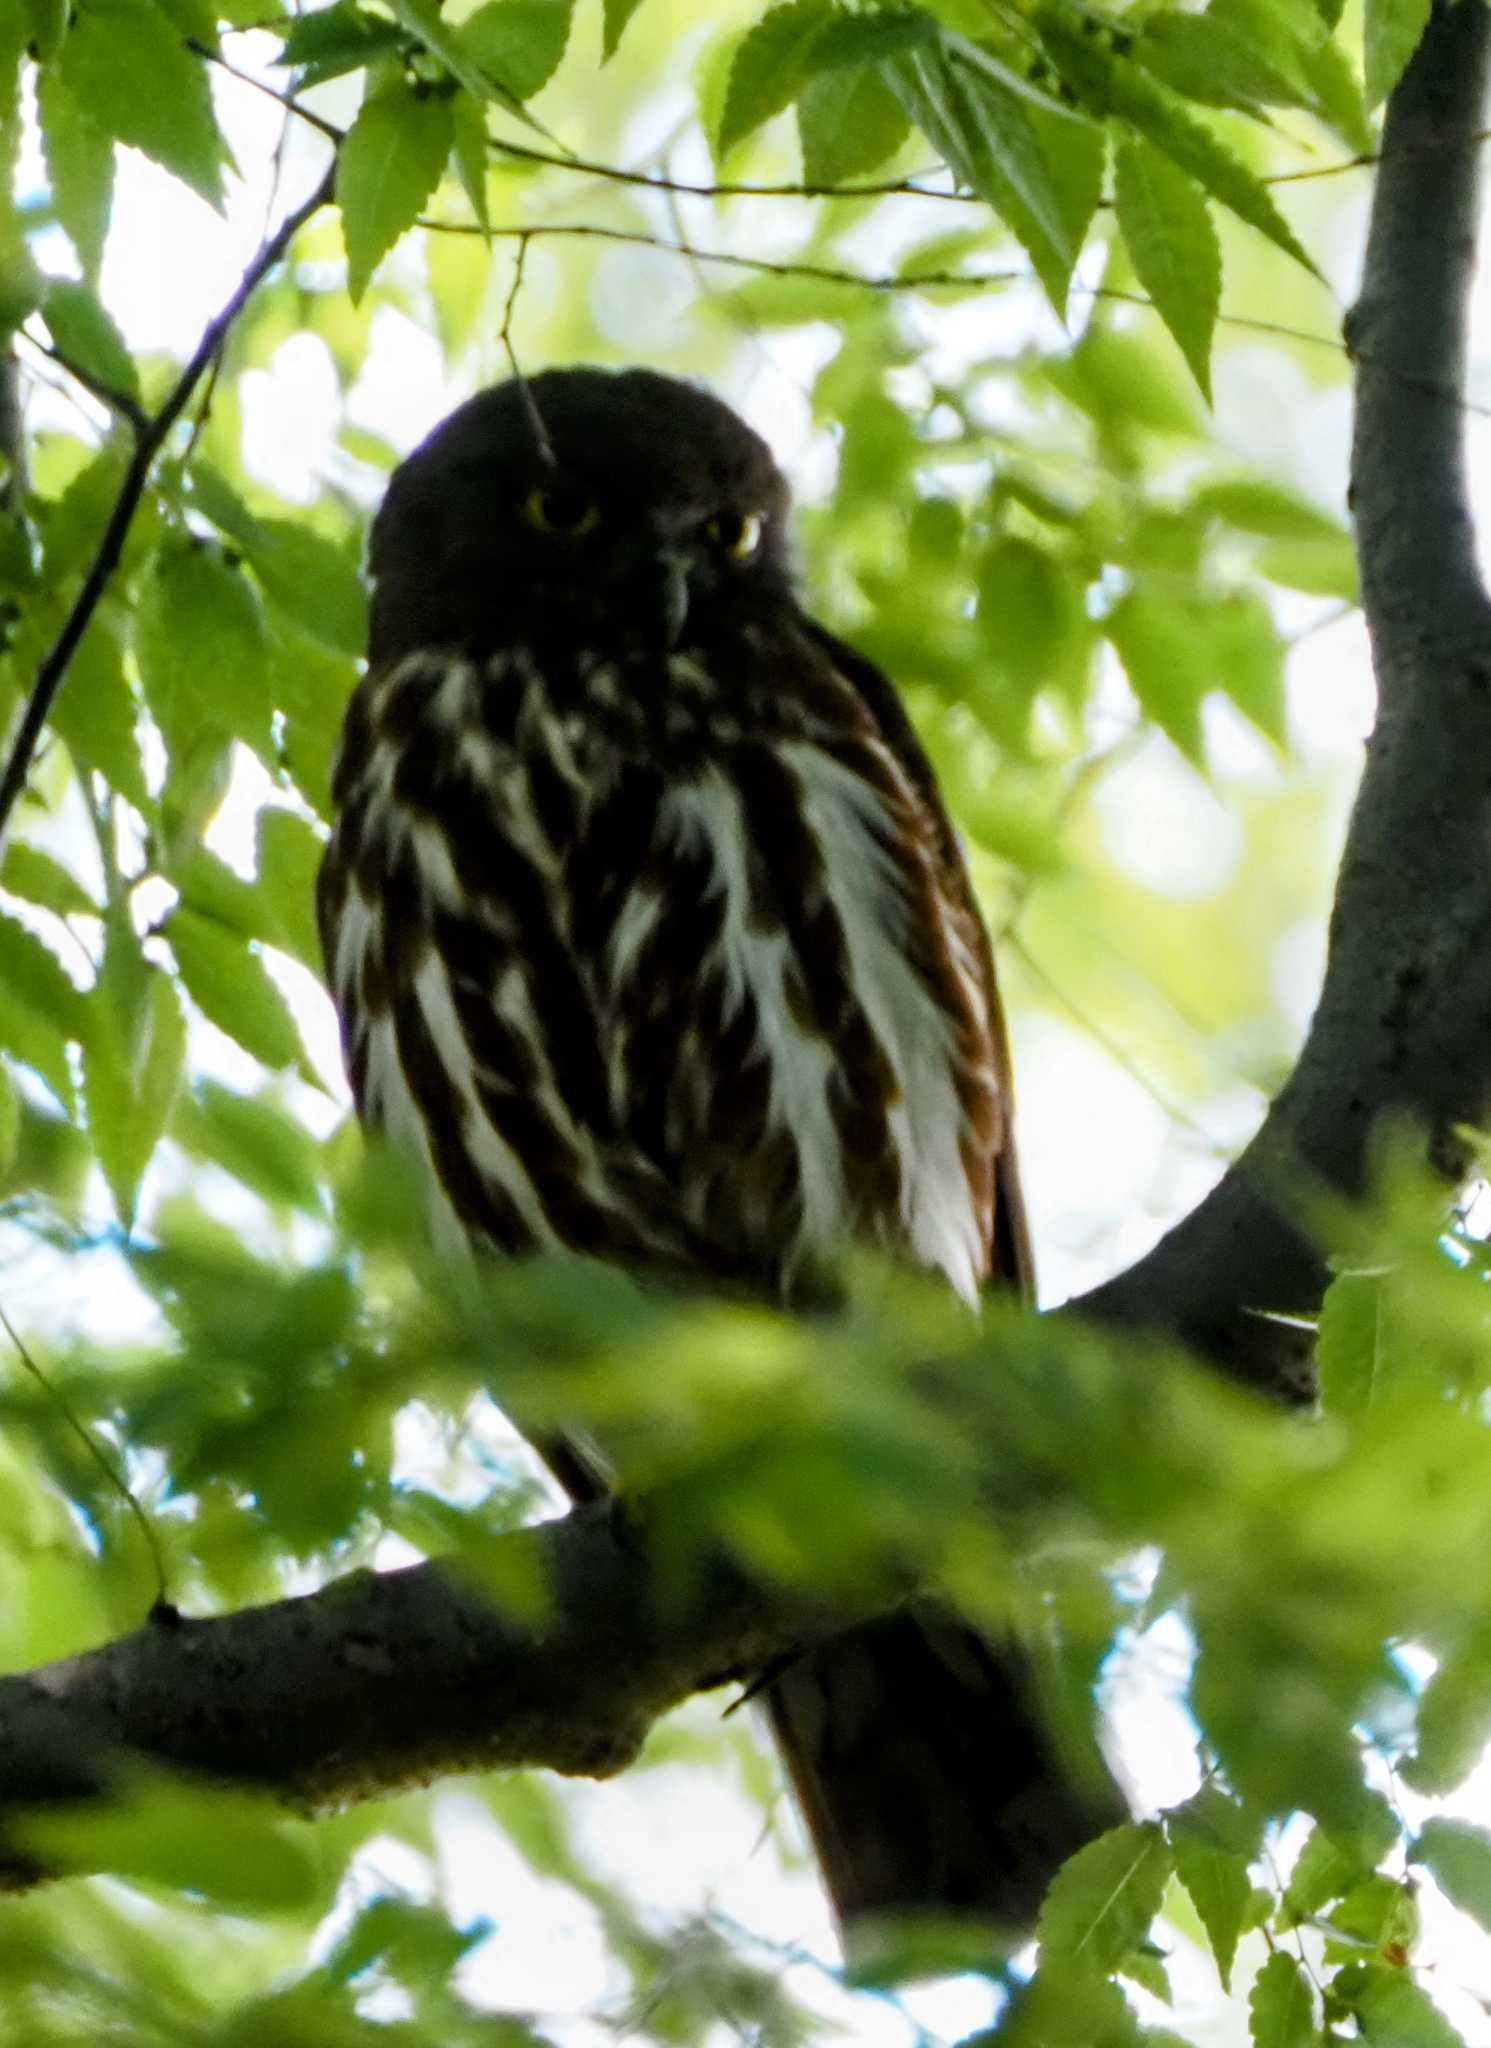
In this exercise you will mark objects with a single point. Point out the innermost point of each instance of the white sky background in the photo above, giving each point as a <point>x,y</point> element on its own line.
<point>680,1836</point>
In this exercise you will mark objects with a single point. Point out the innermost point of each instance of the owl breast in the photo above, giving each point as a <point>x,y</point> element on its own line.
<point>661,967</point>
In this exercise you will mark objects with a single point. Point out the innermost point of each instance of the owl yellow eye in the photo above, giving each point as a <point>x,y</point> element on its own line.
<point>736,534</point>
<point>566,513</point>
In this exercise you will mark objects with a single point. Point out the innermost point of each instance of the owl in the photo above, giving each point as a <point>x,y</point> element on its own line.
<point>652,941</point>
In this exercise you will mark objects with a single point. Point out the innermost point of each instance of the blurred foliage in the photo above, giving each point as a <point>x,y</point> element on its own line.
<point>977,268</point>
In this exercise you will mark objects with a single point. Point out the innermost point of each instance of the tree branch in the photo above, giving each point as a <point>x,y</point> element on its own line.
<point>1403,1027</point>
<point>387,1679</point>
<point>149,440</point>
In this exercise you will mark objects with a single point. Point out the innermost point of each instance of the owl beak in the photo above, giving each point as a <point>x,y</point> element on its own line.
<point>675,566</point>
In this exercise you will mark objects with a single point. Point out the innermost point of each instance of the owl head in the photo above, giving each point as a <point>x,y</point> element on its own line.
<point>584,506</point>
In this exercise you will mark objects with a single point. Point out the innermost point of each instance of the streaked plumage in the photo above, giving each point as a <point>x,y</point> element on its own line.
<point>650,936</point>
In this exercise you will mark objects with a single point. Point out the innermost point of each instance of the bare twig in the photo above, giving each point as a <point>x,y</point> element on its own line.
<point>148,445</point>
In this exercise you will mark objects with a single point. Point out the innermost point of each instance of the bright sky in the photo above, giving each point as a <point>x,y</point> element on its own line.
<point>680,1836</point>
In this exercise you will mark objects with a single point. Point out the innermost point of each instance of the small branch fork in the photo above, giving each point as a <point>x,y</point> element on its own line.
<point>150,432</point>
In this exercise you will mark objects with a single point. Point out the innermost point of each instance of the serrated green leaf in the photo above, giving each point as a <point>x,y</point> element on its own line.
<point>1109,86</point>
<point>1213,1844</point>
<point>848,126</point>
<point>80,169</point>
<point>519,43</point>
<point>40,1009</point>
<point>1352,1346</point>
<point>1281,2006</point>
<point>387,168</point>
<point>202,649</point>
<point>1248,658</point>
<point>1331,1865</point>
<point>1173,246</point>
<point>986,137</point>
<point>32,874</point>
<point>228,1846</point>
<point>1103,1899</point>
<point>84,333</point>
<point>230,986</point>
<point>130,1080</point>
<point>1459,1855</point>
<point>469,154</point>
<point>125,63</point>
<point>1391,31</point>
<point>769,66</point>
<point>618,13</point>
<point>96,716</point>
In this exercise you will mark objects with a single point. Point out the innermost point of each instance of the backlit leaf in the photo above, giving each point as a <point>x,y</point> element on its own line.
<point>126,64</point>
<point>387,168</point>
<point>1281,2007</point>
<point>1173,246</point>
<point>1103,1899</point>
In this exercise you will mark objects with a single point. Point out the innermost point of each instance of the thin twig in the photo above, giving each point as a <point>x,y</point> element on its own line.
<point>505,337</point>
<point>124,403</point>
<point>147,446</point>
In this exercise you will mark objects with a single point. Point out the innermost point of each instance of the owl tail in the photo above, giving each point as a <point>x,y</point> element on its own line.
<point>929,1780</point>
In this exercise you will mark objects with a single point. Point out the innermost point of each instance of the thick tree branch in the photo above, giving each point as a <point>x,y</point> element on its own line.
<point>388,1679</point>
<point>1403,1027</point>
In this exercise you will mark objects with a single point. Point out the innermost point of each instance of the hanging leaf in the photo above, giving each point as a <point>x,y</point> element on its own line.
<point>1173,247</point>
<point>1281,2006</point>
<point>202,650</point>
<point>125,62</point>
<point>519,43</point>
<point>84,332</point>
<point>231,988</point>
<point>128,1088</point>
<point>387,168</point>
<point>80,168</point>
<point>1103,1899</point>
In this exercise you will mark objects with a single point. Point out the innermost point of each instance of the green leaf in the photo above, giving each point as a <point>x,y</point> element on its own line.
<point>45,27</point>
<point>229,985</point>
<point>1248,659</point>
<point>36,877</point>
<point>10,1119</point>
<point>1103,1899</point>
<point>1331,1865</point>
<point>84,333</point>
<point>519,43</point>
<point>311,580</point>
<point>848,126</point>
<point>469,154</point>
<point>1281,2007</point>
<point>1391,31</point>
<point>769,66</point>
<point>1454,1721</point>
<point>985,135</point>
<point>334,40</point>
<point>1173,247</point>
<point>202,648</point>
<point>618,14</point>
<point>1214,1843</point>
<point>1391,2010</point>
<point>387,168</point>
<point>1352,1349</point>
<point>1166,663</point>
<point>80,167</point>
<point>40,1010</point>
<point>256,1141</point>
<point>130,1080</point>
<point>1065,2009</point>
<point>289,858</point>
<point>125,63</point>
<point>96,716</point>
<point>1111,86</point>
<point>228,1846</point>
<point>1459,1856</point>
